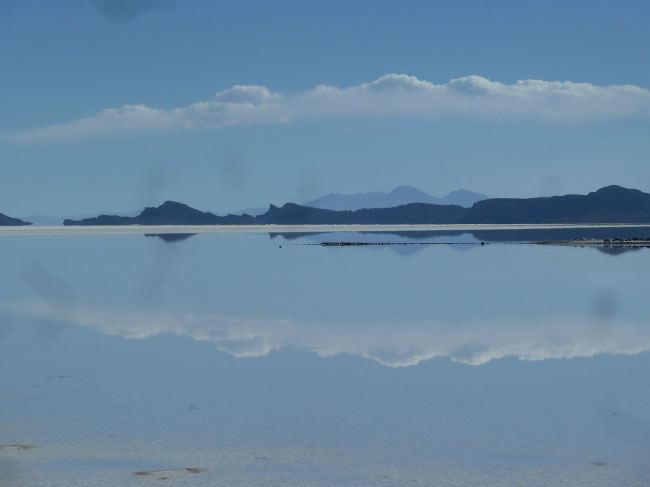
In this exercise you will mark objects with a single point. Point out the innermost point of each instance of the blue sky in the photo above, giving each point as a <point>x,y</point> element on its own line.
<point>193,139</point>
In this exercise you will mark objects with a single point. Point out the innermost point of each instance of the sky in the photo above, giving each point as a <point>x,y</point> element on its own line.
<point>113,105</point>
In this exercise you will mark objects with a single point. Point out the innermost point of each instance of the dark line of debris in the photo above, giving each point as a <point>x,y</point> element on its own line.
<point>361,244</point>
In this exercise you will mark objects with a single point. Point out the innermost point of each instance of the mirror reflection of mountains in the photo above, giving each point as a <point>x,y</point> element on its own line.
<point>477,236</point>
<point>612,204</point>
<point>170,237</point>
<point>409,243</point>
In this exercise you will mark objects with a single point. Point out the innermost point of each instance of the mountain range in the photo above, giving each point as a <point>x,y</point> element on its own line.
<point>611,204</point>
<point>402,195</point>
<point>333,201</point>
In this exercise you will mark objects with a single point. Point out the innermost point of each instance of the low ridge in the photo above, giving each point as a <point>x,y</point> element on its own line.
<point>7,221</point>
<point>611,204</point>
<point>402,195</point>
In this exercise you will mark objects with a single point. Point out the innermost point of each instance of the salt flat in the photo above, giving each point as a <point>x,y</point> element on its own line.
<point>96,330</point>
<point>171,229</point>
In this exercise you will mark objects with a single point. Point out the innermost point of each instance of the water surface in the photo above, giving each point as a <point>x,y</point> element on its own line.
<point>249,359</point>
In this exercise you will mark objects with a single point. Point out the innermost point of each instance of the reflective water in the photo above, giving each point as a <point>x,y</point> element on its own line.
<point>250,360</point>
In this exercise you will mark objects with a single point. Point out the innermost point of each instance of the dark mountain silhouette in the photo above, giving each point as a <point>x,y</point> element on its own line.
<point>57,220</point>
<point>612,204</point>
<point>173,213</point>
<point>13,222</point>
<point>292,214</point>
<point>169,213</point>
<point>402,195</point>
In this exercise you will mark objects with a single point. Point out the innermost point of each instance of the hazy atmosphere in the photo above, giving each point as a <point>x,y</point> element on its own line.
<point>232,105</point>
<point>330,244</point>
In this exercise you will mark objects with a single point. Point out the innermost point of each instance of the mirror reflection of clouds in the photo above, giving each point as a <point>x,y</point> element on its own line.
<point>248,297</point>
<point>397,344</point>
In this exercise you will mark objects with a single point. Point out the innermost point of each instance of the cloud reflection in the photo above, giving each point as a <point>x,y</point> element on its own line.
<point>390,344</point>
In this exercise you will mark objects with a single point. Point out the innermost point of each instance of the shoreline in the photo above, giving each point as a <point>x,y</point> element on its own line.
<point>176,229</point>
<point>607,242</point>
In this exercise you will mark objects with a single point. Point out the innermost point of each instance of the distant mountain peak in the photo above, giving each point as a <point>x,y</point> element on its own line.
<point>463,197</point>
<point>406,187</point>
<point>615,189</point>
<point>173,204</point>
<point>410,191</point>
<point>611,204</point>
<point>401,195</point>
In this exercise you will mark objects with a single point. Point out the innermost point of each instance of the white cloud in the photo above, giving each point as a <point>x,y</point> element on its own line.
<point>392,345</point>
<point>392,95</point>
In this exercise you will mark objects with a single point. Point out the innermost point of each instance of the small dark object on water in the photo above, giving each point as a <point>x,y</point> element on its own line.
<point>17,446</point>
<point>169,471</point>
